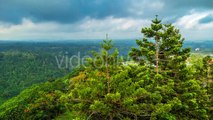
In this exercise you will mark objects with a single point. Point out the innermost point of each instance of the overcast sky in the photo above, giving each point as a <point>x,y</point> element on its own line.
<point>92,19</point>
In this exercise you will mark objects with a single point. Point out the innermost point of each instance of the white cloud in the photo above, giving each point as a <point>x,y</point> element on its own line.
<point>112,24</point>
<point>90,28</point>
<point>85,29</point>
<point>191,27</point>
<point>192,20</point>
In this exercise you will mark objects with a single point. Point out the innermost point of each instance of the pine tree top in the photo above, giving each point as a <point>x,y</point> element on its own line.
<point>156,20</point>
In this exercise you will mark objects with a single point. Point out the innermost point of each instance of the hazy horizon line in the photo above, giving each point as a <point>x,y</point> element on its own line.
<point>67,40</point>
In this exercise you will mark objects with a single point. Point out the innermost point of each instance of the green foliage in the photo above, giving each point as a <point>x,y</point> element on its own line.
<point>37,102</point>
<point>139,92</point>
<point>174,79</point>
<point>41,101</point>
<point>161,47</point>
<point>20,70</point>
<point>158,86</point>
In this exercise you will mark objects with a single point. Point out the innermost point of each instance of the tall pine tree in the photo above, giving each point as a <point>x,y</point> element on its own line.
<point>161,47</point>
<point>161,50</point>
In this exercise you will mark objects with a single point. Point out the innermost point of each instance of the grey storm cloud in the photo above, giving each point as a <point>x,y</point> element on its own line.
<point>60,10</point>
<point>200,4</point>
<point>80,19</point>
<point>69,11</point>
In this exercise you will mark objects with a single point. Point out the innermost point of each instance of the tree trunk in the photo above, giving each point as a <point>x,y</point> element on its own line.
<point>108,77</point>
<point>157,54</point>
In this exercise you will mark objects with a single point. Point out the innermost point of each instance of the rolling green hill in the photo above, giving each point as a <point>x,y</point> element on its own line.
<point>34,87</point>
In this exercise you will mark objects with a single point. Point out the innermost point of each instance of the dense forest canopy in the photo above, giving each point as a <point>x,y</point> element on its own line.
<point>23,63</point>
<point>163,80</point>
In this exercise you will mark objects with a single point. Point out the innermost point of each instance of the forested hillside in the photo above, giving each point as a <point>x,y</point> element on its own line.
<point>20,70</point>
<point>23,64</point>
<point>161,81</point>
<point>26,63</point>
